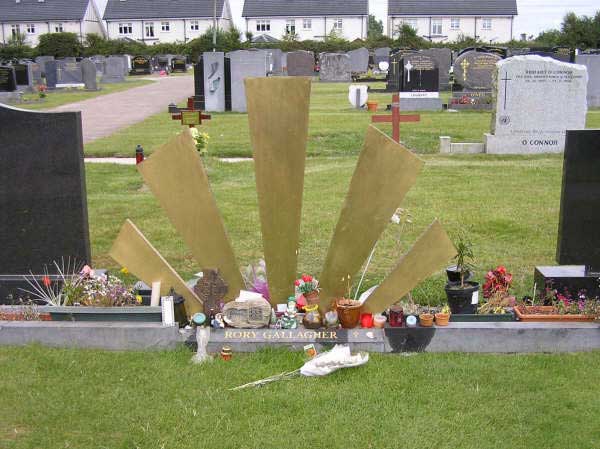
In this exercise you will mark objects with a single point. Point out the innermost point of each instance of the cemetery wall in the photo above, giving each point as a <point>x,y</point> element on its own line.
<point>501,31</point>
<point>352,27</point>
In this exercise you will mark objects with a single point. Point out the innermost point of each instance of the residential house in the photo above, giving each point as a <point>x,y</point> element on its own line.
<point>307,19</point>
<point>490,21</point>
<point>154,21</point>
<point>33,18</point>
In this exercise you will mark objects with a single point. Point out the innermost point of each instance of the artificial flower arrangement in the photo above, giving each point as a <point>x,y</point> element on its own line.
<point>308,287</point>
<point>255,278</point>
<point>496,291</point>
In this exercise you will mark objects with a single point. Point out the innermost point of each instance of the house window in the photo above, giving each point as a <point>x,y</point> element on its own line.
<point>290,26</point>
<point>455,23</point>
<point>307,24</point>
<point>15,30</point>
<point>149,29</point>
<point>165,26</point>
<point>31,28</point>
<point>338,24</point>
<point>125,28</point>
<point>263,25</point>
<point>194,25</point>
<point>410,22</point>
<point>486,24</point>
<point>58,28</point>
<point>436,27</point>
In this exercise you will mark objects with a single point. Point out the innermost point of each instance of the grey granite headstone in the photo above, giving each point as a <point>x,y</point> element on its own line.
<point>274,63</point>
<point>335,67</point>
<point>284,63</point>
<point>69,73</point>
<point>51,73</point>
<point>88,69</point>
<point>99,61</point>
<point>36,73</point>
<point>359,60</point>
<point>474,70</point>
<point>537,100</point>
<point>300,63</point>
<point>443,60</point>
<point>244,64</point>
<point>592,62</point>
<point>382,55</point>
<point>114,69</point>
<point>69,59</point>
<point>43,196</point>
<point>214,81</point>
<point>8,82</point>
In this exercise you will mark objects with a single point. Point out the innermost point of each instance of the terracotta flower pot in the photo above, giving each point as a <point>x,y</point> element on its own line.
<point>372,106</point>
<point>349,315</point>
<point>312,297</point>
<point>442,319</point>
<point>426,319</point>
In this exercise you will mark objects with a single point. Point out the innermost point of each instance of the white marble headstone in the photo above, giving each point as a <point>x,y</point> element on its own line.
<point>536,100</point>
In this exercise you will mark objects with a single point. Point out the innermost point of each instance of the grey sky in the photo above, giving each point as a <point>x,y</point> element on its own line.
<point>539,15</point>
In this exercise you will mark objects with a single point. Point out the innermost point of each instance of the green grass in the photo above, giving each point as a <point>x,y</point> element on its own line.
<point>335,129</point>
<point>64,96</point>
<point>92,399</point>
<point>510,205</point>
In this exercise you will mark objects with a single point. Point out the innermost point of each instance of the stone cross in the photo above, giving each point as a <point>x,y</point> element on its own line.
<point>395,118</point>
<point>506,79</point>
<point>190,116</point>
<point>211,289</point>
<point>408,68</point>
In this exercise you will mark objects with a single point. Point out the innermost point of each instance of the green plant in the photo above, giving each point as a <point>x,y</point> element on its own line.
<point>464,256</point>
<point>61,292</point>
<point>59,44</point>
<point>201,139</point>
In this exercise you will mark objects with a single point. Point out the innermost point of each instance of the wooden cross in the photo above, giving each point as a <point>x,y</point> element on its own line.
<point>190,116</point>
<point>395,118</point>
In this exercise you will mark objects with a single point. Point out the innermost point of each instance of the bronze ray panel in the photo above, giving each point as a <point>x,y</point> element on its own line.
<point>278,119</point>
<point>385,171</point>
<point>176,176</point>
<point>133,251</point>
<point>431,252</point>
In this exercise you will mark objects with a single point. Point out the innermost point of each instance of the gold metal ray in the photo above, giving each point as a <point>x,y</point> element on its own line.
<point>385,171</point>
<point>176,176</point>
<point>133,251</point>
<point>430,253</point>
<point>278,118</point>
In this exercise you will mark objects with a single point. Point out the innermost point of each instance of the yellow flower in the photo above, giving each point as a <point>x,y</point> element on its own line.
<point>138,298</point>
<point>124,270</point>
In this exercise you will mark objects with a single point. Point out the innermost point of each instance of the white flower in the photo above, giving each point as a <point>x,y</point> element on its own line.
<point>395,219</point>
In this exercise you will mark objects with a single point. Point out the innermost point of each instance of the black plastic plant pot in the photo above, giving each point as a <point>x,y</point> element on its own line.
<point>460,299</point>
<point>453,275</point>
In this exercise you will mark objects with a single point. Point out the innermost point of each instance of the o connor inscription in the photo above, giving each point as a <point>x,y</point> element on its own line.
<point>536,100</point>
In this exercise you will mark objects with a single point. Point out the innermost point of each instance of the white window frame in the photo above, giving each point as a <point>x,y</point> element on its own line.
<point>455,23</point>
<point>436,27</point>
<point>31,28</point>
<point>194,25</point>
<point>486,23</point>
<point>290,26</point>
<point>338,24</point>
<point>15,29</point>
<point>307,24</point>
<point>165,27</point>
<point>263,25</point>
<point>125,28</point>
<point>149,29</point>
<point>58,28</point>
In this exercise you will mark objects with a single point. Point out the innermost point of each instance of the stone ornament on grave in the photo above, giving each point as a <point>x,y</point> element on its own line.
<point>211,289</point>
<point>474,70</point>
<point>536,100</point>
<point>357,95</point>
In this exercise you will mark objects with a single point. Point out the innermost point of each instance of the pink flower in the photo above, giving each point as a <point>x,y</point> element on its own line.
<point>46,281</point>
<point>87,270</point>
<point>297,282</point>
<point>307,278</point>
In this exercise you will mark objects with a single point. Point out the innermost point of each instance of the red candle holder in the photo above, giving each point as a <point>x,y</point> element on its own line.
<point>366,320</point>
<point>396,316</point>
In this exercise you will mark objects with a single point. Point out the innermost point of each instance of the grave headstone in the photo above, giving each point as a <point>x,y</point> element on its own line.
<point>89,73</point>
<point>274,63</point>
<point>45,218</point>
<point>37,73</point>
<point>284,63</point>
<point>537,100</point>
<point>99,61</point>
<point>419,90</point>
<point>68,74</point>
<point>24,75</point>
<point>141,65</point>
<point>592,62</point>
<point>334,67</point>
<point>214,81</point>
<point>211,289</point>
<point>68,60</point>
<point>244,64</point>
<point>199,95</point>
<point>443,61</point>
<point>42,61</point>
<point>359,60</point>
<point>8,81</point>
<point>382,55</point>
<point>474,70</point>
<point>113,70</point>
<point>300,63</point>
<point>178,64</point>
<point>394,75</point>
<point>51,73</point>
<point>163,62</point>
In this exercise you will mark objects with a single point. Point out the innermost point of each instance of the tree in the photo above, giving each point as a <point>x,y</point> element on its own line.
<point>16,47</point>
<point>375,28</point>
<point>59,45</point>
<point>408,38</point>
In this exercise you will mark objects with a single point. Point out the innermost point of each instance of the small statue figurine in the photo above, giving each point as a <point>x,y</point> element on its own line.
<point>288,320</point>
<point>218,322</point>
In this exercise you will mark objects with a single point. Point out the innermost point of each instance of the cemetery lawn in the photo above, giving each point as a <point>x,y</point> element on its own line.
<point>60,97</point>
<point>335,129</point>
<point>82,399</point>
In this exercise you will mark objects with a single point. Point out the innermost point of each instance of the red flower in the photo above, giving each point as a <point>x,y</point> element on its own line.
<point>307,278</point>
<point>297,282</point>
<point>501,269</point>
<point>46,281</point>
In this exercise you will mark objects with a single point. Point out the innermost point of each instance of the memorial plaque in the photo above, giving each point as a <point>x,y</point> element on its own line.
<point>214,81</point>
<point>537,100</point>
<point>300,63</point>
<point>140,65</point>
<point>8,82</point>
<point>42,190</point>
<point>474,70</point>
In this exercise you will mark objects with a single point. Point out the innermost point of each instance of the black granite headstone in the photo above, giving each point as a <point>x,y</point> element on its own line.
<point>8,82</point>
<point>42,190</point>
<point>394,75</point>
<point>419,74</point>
<point>474,70</point>
<point>140,65</point>
<point>227,84</point>
<point>178,64</point>
<point>22,74</point>
<point>199,102</point>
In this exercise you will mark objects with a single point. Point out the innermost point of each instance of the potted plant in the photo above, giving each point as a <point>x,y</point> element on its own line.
<point>460,294</point>
<point>461,271</point>
<point>442,318</point>
<point>348,311</point>
<point>308,287</point>
<point>563,307</point>
<point>426,319</point>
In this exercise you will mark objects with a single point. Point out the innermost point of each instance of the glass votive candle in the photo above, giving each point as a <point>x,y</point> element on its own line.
<point>396,316</point>
<point>379,321</point>
<point>366,320</point>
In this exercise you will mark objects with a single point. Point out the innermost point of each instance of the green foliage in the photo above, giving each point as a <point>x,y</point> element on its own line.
<point>59,45</point>
<point>226,41</point>
<point>375,28</point>
<point>464,255</point>
<point>576,32</point>
<point>16,48</point>
<point>407,38</point>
